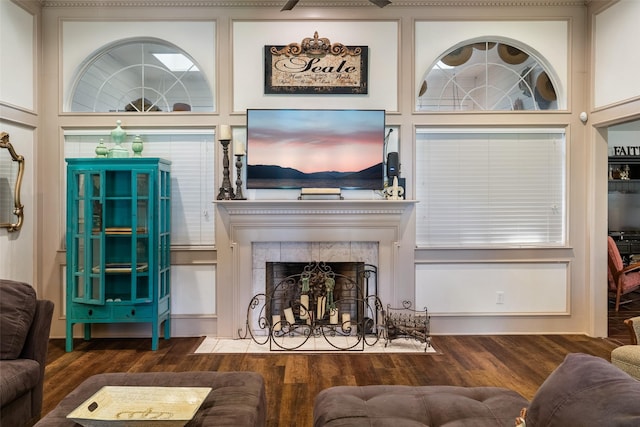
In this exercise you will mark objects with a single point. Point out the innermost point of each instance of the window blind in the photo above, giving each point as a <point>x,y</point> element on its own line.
<point>192,175</point>
<point>490,187</point>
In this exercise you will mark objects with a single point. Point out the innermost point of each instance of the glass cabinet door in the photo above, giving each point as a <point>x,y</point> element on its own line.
<point>87,240</point>
<point>142,236</point>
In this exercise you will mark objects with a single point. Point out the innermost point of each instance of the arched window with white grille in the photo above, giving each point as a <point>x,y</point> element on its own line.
<point>140,75</point>
<point>488,75</point>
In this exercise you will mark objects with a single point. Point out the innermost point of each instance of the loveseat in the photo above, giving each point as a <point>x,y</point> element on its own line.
<point>25,322</point>
<point>583,390</point>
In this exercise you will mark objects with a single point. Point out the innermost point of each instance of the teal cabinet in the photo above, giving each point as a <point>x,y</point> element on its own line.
<point>118,244</point>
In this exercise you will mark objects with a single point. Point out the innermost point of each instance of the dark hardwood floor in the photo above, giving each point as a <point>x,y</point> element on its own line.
<point>618,331</point>
<point>292,381</point>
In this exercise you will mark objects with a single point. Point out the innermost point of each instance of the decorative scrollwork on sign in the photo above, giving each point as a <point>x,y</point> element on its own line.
<point>316,46</point>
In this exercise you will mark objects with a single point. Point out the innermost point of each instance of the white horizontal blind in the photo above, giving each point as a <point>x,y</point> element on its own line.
<point>192,175</point>
<point>490,188</point>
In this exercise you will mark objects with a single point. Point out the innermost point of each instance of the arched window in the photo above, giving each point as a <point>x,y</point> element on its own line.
<point>141,75</point>
<point>487,75</point>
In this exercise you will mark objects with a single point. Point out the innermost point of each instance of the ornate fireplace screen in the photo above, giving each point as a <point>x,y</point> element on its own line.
<point>11,171</point>
<point>317,309</point>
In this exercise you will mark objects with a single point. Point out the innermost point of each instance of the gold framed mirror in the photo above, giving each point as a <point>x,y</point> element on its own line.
<point>11,171</point>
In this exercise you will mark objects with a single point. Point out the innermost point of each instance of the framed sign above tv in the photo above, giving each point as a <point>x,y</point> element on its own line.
<point>315,66</point>
<point>297,148</point>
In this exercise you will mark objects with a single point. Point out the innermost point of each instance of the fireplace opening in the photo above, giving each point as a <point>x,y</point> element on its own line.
<point>305,306</point>
<point>322,292</point>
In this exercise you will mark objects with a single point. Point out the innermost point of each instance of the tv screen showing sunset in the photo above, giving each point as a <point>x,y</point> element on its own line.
<point>315,148</point>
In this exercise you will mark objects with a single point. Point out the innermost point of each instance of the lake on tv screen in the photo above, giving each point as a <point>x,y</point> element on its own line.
<point>371,184</point>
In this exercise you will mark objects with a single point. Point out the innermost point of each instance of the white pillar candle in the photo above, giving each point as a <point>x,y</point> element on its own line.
<point>288,314</point>
<point>238,148</point>
<point>322,305</point>
<point>346,321</point>
<point>275,319</point>
<point>225,132</point>
<point>333,316</point>
<point>304,306</point>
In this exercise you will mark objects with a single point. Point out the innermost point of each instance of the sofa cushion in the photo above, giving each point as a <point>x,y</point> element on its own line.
<point>17,308</point>
<point>18,377</point>
<point>585,390</point>
<point>398,405</point>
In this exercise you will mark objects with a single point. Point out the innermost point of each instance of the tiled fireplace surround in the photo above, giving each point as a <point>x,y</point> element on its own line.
<point>260,231</point>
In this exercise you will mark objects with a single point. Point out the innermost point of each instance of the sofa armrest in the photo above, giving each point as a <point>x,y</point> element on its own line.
<point>37,342</point>
<point>634,329</point>
<point>36,347</point>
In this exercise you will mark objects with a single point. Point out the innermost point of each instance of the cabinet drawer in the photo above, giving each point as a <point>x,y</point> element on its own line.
<point>132,311</point>
<point>82,311</point>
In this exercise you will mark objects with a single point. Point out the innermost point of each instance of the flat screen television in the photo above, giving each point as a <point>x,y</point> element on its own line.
<point>298,148</point>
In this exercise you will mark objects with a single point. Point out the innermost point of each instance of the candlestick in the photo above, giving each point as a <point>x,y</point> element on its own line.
<point>239,195</point>
<point>226,191</point>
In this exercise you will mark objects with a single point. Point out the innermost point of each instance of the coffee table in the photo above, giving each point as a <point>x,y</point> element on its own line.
<point>236,398</point>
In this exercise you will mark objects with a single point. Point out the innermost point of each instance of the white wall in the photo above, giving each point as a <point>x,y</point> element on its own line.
<point>248,62</point>
<point>17,47</point>
<point>616,58</point>
<point>17,102</point>
<point>238,88</point>
<point>18,246</point>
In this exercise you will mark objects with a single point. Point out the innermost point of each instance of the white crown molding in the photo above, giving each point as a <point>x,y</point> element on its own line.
<point>309,3</point>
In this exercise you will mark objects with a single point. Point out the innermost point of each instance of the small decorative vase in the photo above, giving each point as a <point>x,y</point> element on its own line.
<point>101,149</point>
<point>118,135</point>
<point>136,146</point>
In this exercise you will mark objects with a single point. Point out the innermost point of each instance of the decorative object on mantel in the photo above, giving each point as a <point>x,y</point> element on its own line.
<point>306,306</point>
<point>395,192</point>
<point>226,190</point>
<point>101,149</point>
<point>239,151</point>
<point>117,135</point>
<point>316,66</point>
<point>320,193</point>
<point>136,146</point>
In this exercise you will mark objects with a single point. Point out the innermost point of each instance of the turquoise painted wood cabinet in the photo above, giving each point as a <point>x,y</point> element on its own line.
<point>118,244</point>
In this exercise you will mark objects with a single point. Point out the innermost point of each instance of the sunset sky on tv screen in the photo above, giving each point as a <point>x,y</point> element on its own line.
<point>315,140</point>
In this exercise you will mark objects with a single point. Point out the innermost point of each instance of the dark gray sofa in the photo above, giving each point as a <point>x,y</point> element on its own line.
<point>584,390</point>
<point>25,323</point>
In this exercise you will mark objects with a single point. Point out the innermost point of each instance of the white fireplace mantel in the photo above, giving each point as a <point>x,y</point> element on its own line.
<point>235,208</point>
<point>244,222</point>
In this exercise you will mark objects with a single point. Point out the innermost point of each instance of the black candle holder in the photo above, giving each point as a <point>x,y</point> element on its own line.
<point>239,195</point>
<point>226,190</point>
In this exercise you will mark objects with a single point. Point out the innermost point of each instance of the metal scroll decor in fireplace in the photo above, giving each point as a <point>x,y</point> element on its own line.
<point>317,308</point>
